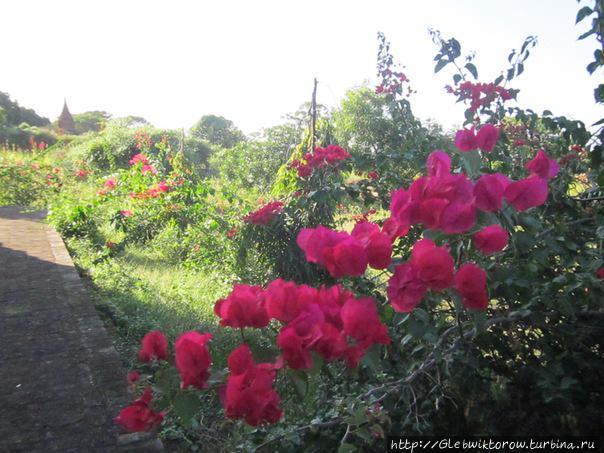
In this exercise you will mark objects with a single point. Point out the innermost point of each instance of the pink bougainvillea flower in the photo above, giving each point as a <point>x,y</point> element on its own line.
<point>543,166</point>
<point>438,163</point>
<point>139,417</point>
<point>346,259</point>
<point>244,307</point>
<point>394,229</point>
<point>458,217</point>
<point>314,241</point>
<point>471,284</point>
<point>526,193</point>
<point>489,190</point>
<point>486,138</point>
<point>132,376</point>
<point>342,254</point>
<point>110,184</point>
<point>265,214</point>
<point>434,264</point>
<point>319,158</point>
<point>373,175</point>
<point>193,359</point>
<point>286,300</point>
<point>147,168</point>
<point>405,288</point>
<point>139,158</point>
<point>298,337</point>
<point>465,140</point>
<point>163,186</point>
<point>81,174</point>
<point>249,392</point>
<point>404,205</point>
<point>491,239</point>
<point>377,245</point>
<point>153,346</point>
<point>330,300</point>
<point>361,321</point>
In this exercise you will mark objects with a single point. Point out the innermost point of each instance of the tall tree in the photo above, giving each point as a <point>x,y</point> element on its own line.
<point>217,130</point>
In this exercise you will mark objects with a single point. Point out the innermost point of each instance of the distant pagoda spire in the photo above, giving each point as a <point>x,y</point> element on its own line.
<point>65,122</point>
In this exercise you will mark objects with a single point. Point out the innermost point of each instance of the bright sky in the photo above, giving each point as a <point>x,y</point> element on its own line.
<point>254,61</point>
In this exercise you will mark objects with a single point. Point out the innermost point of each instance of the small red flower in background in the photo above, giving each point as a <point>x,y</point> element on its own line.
<point>35,166</point>
<point>101,192</point>
<point>193,359</point>
<point>139,416</point>
<point>373,175</point>
<point>153,346</point>
<point>519,142</point>
<point>600,273</point>
<point>110,184</point>
<point>81,174</point>
<point>139,158</point>
<point>147,168</point>
<point>132,376</point>
<point>320,158</point>
<point>110,245</point>
<point>232,232</point>
<point>265,214</point>
<point>56,170</point>
<point>126,213</point>
<point>481,94</point>
<point>42,145</point>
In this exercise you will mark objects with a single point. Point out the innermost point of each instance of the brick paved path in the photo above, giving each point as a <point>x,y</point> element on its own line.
<point>61,379</point>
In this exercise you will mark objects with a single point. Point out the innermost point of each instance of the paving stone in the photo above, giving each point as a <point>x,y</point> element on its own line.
<point>63,382</point>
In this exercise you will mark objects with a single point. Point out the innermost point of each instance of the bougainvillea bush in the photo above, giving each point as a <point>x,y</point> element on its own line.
<point>471,303</point>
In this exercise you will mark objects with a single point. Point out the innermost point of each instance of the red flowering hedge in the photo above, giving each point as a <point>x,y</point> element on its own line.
<point>475,285</point>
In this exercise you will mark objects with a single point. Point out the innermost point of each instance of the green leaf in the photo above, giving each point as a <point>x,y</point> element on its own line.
<point>471,162</point>
<point>371,359</point>
<point>472,69</point>
<point>586,34</point>
<point>498,80</point>
<point>358,417</point>
<point>591,67</point>
<point>441,64</point>
<point>186,405</point>
<point>583,13</point>
<point>599,93</point>
<point>300,381</point>
<point>347,448</point>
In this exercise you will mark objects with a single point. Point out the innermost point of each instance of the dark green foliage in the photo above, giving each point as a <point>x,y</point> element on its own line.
<point>217,130</point>
<point>92,121</point>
